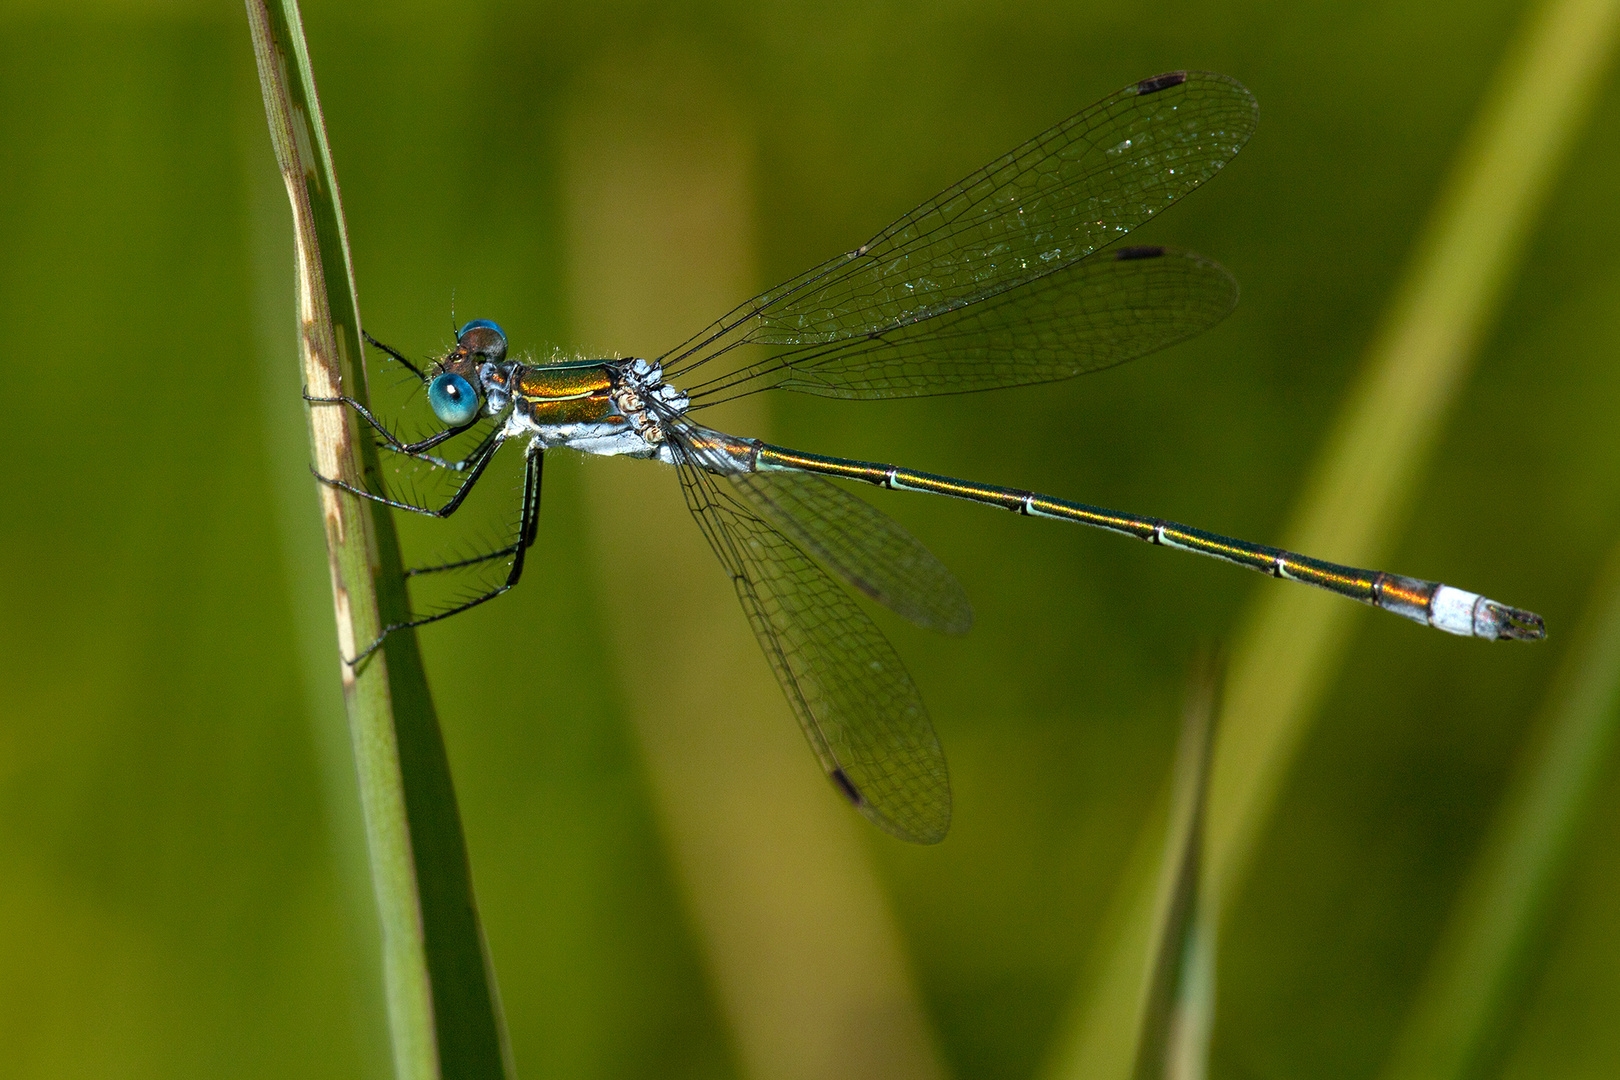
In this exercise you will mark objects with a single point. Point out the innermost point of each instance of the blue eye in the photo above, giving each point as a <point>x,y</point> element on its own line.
<point>487,324</point>
<point>483,337</point>
<point>453,399</point>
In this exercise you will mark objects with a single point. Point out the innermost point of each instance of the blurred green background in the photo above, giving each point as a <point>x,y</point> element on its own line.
<point>183,889</point>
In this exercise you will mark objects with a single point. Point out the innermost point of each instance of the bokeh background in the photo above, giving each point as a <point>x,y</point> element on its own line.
<point>183,889</point>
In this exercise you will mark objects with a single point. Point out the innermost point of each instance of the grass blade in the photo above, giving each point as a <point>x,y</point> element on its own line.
<point>807,963</point>
<point>1504,900</point>
<point>1147,1014</point>
<point>1293,640</point>
<point>1180,1002</point>
<point>1363,482</point>
<point>444,1012</point>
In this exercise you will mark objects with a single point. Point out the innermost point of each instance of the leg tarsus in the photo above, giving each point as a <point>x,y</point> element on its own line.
<point>344,485</point>
<point>480,459</point>
<point>391,440</point>
<point>528,531</point>
<point>459,564</point>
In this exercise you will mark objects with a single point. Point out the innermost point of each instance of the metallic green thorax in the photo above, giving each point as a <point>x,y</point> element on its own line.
<point>570,393</point>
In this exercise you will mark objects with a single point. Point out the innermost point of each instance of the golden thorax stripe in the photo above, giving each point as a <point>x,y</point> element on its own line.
<point>561,382</point>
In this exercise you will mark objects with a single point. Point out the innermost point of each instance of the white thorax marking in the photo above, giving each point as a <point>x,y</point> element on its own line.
<point>641,383</point>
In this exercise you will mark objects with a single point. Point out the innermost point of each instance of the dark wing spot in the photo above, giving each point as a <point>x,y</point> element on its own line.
<point>1126,254</point>
<point>1161,82</point>
<point>847,786</point>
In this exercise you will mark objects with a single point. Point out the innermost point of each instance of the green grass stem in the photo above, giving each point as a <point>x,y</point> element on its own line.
<point>805,959</point>
<point>1293,640</point>
<point>1503,902</point>
<point>1361,487</point>
<point>443,1008</point>
<point>1148,1012</point>
<point>1100,1036</point>
<point>1179,1004</point>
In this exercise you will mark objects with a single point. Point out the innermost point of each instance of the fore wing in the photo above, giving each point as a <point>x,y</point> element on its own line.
<point>1062,195</point>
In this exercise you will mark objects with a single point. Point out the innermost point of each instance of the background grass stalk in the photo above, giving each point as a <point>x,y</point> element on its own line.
<point>1100,1036</point>
<point>1179,999</point>
<point>1148,1014</point>
<point>172,902</point>
<point>444,1013</point>
<point>806,960</point>
<point>1363,483</point>
<point>1504,900</point>
<point>1294,639</point>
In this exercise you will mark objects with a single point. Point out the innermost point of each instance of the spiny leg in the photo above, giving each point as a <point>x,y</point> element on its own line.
<point>395,353</point>
<point>392,441</point>
<point>474,466</point>
<point>528,529</point>
<point>435,461</point>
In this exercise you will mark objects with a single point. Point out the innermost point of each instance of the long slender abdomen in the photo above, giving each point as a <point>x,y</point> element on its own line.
<point>1455,611</point>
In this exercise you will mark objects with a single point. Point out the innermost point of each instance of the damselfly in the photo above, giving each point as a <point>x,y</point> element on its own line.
<point>1004,279</point>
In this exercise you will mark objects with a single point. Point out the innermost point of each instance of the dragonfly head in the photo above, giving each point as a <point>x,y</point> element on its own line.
<point>482,338</point>
<point>453,393</point>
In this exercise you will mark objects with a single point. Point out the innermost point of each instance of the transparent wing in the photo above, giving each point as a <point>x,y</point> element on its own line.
<point>1104,310</point>
<point>862,545</point>
<point>857,705</point>
<point>1064,194</point>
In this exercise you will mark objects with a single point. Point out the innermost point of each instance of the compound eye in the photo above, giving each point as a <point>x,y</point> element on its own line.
<point>453,399</point>
<point>483,337</point>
